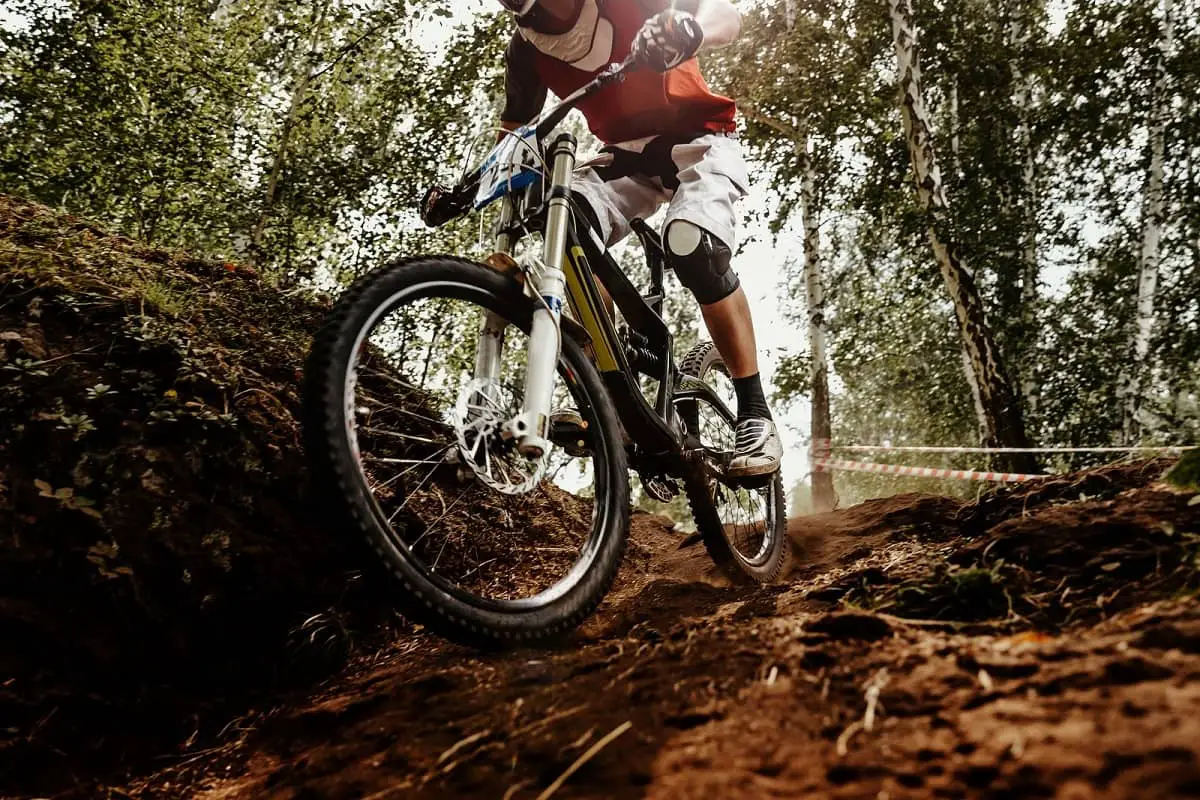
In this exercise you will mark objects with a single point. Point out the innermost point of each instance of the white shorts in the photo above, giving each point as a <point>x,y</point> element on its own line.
<point>712,178</point>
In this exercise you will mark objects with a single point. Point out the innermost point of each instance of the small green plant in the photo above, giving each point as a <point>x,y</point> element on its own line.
<point>163,298</point>
<point>1186,474</point>
<point>100,391</point>
<point>26,367</point>
<point>67,498</point>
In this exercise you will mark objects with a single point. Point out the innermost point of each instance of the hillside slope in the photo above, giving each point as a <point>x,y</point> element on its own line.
<point>169,608</point>
<point>157,555</point>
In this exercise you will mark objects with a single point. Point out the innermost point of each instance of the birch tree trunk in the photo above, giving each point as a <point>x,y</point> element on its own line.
<point>1002,413</point>
<point>1019,36</point>
<point>1152,219</point>
<point>304,78</point>
<point>823,496</point>
<point>956,169</point>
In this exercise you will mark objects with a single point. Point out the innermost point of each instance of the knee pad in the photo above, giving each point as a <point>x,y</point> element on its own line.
<point>702,262</point>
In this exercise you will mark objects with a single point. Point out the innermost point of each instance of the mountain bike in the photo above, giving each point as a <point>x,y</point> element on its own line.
<point>477,422</point>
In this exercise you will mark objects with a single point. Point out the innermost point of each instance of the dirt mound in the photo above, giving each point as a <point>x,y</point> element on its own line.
<point>1041,642</point>
<point>160,561</point>
<point>684,687</point>
<point>151,489</point>
<point>1067,551</point>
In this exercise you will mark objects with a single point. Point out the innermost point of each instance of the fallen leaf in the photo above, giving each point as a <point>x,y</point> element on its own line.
<point>1031,637</point>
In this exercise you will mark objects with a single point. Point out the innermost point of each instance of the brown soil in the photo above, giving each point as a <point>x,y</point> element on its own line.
<point>168,609</point>
<point>1083,682</point>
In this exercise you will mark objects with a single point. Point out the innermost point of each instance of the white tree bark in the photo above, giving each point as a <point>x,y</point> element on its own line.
<point>1001,411</point>
<point>1152,220</point>
<point>1023,86</point>
<point>956,169</point>
<point>824,497</point>
<point>304,79</point>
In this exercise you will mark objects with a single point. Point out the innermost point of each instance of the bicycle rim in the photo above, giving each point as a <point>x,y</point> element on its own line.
<point>506,551</point>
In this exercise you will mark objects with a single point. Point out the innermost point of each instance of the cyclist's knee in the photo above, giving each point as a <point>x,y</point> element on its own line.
<point>702,261</point>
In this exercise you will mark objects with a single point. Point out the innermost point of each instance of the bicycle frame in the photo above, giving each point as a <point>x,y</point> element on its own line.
<point>572,258</point>
<point>574,251</point>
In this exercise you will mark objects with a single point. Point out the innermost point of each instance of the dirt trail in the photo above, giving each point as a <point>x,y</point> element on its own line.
<point>1041,643</point>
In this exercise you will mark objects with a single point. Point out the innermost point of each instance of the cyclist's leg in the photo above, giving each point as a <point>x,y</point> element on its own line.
<point>699,233</point>
<point>615,202</point>
<point>611,204</point>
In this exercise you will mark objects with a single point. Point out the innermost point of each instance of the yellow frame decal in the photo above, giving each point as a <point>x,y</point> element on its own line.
<point>587,312</point>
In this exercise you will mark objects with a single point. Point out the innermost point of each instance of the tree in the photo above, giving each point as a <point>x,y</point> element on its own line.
<point>1002,420</point>
<point>1152,225</point>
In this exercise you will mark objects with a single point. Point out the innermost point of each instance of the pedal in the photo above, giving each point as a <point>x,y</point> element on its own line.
<point>569,431</point>
<point>664,490</point>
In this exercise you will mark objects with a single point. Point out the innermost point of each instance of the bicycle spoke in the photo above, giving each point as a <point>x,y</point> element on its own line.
<point>482,524</point>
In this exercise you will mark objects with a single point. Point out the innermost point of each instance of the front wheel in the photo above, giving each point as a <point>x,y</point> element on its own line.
<point>487,547</point>
<point>744,527</point>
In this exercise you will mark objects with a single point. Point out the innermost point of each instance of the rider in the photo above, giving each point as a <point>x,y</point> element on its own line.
<point>670,140</point>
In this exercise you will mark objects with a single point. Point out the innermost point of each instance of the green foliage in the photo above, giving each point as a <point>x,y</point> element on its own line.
<point>298,137</point>
<point>1186,474</point>
<point>1042,117</point>
<point>293,135</point>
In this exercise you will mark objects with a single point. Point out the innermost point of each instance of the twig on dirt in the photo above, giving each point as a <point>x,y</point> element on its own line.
<point>844,739</point>
<point>390,790</point>
<point>545,721</point>
<point>460,744</point>
<point>952,625</point>
<point>41,723</point>
<point>64,356</point>
<point>583,759</point>
<point>874,687</point>
<point>516,787</point>
<point>867,723</point>
<point>582,740</point>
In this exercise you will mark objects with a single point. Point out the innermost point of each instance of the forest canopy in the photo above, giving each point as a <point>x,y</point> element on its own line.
<point>1056,146</point>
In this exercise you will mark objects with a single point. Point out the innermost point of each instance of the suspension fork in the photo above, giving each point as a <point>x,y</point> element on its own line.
<point>545,338</point>
<point>489,346</point>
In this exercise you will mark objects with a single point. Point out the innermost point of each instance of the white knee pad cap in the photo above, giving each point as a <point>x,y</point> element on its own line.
<point>683,237</point>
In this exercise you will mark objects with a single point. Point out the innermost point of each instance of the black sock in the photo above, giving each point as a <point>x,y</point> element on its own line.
<point>751,402</point>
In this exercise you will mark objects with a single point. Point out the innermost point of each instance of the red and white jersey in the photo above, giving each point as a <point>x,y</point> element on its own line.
<point>645,104</point>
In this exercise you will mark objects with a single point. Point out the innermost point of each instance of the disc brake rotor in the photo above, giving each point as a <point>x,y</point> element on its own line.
<point>483,407</point>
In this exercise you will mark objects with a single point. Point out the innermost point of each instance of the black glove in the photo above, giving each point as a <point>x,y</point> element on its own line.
<point>441,204</point>
<point>667,40</point>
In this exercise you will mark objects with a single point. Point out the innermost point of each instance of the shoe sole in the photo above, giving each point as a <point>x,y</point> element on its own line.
<point>753,472</point>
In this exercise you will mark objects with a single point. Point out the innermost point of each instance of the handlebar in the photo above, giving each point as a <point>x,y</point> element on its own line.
<point>614,73</point>
<point>440,205</point>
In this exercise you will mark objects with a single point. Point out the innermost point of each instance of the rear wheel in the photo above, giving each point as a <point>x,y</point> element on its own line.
<point>486,546</point>
<point>744,527</point>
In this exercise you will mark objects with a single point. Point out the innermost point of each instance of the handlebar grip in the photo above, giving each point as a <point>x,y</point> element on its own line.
<point>441,204</point>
